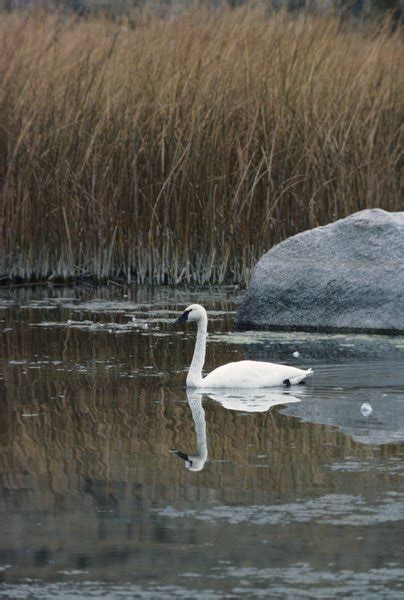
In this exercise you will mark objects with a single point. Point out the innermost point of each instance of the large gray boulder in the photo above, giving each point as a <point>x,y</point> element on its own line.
<point>348,275</point>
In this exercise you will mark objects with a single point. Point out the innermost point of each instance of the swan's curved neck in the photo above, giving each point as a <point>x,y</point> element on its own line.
<point>194,378</point>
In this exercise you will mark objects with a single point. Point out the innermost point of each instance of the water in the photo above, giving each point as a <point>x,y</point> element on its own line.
<point>288,493</point>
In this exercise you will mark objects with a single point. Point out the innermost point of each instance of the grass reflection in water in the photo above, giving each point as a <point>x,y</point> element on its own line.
<point>91,491</point>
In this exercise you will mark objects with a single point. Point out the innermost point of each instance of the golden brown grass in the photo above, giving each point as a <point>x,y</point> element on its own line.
<point>179,150</point>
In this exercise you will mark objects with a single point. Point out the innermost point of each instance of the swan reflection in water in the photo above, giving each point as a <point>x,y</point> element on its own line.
<point>258,400</point>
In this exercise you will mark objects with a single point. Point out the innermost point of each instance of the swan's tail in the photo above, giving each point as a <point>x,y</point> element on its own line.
<point>300,378</point>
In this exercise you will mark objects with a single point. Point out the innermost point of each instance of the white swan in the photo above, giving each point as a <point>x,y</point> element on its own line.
<point>241,374</point>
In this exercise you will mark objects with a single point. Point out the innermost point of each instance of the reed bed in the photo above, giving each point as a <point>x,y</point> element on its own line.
<point>180,149</point>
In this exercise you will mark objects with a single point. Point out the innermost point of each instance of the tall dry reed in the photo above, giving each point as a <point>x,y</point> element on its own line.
<point>180,149</point>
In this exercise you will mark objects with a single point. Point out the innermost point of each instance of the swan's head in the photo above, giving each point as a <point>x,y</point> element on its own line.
<point>194,312</point>
<point>193,462</point>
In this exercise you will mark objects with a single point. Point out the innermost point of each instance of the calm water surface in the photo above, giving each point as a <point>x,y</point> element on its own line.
<point>293,494</point>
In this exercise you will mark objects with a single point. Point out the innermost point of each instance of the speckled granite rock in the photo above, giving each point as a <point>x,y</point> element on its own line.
<point>348,275</point>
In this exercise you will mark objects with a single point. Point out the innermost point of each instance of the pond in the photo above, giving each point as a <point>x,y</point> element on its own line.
<point>116,482</point>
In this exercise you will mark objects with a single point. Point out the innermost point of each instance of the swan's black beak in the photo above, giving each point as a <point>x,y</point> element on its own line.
<point>182,318</point>
<point>182,455</point>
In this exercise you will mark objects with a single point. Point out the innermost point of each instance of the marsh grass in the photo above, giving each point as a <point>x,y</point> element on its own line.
<point>180,149</point>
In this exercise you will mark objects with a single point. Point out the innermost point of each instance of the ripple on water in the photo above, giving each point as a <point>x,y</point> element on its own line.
<point>106,591</point>
<point>298,580</point>
<point>332,509</point>
<point>393,466</point>
<point>264,345</point>
<point>95,326</point>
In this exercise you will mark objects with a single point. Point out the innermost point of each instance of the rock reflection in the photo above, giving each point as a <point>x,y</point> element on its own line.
<point>232,399</point>
<point>369,408</point>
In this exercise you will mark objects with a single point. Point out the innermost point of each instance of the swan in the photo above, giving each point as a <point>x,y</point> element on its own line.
<point>231,399</point>
<point>241,374</point>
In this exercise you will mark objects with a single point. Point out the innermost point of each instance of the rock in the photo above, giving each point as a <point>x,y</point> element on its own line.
<point>346,276</point>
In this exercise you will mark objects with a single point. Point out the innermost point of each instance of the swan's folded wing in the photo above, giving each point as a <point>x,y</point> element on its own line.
<point>251,374</point>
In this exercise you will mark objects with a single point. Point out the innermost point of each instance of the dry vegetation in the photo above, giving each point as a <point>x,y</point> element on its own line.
<point>179,149</point>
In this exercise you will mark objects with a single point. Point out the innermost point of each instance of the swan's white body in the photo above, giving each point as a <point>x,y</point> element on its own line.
<point>241,374</point>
